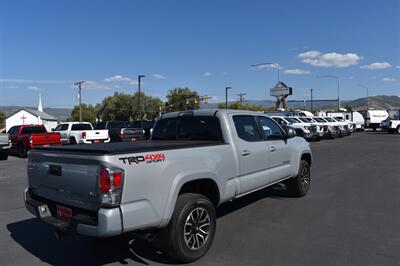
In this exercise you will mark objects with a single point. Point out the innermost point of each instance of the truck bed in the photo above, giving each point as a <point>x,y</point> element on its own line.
<point>130,147</point>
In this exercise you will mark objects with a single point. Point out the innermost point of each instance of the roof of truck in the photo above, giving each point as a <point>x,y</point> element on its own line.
<point>209,112</point>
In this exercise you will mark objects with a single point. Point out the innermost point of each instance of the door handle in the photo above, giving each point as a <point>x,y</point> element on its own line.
<point>272,149</point>
<point>245,153</point>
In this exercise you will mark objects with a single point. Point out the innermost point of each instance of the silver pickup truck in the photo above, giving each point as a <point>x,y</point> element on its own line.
<point>5,145</point>
<point>169,185</point>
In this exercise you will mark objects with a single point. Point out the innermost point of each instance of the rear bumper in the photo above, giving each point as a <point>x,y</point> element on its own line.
<point>5,147</point>
<point>85,141</point>
<point>108,220</point>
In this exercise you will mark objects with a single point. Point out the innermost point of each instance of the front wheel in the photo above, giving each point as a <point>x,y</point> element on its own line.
<point>398,130</point>
<point>298,186</point>
<point>22,150</point>
<point>192,227</point>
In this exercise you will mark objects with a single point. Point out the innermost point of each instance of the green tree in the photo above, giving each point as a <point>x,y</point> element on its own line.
<point>348,108</point>
<point>180,99</point>
<point>88,113</point>
<point>250,107</point>
<point>124,107</point>
<point>2,119</point>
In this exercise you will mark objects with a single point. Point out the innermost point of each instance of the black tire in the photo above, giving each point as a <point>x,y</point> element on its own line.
<point>4,155</point>
<point>72,141</point>
<point>177,245</point>
<point>22,150</point>
<point>298,186</point>
<point>397,131</point>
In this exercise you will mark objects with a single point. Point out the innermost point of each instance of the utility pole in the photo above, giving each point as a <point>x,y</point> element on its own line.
<point>365,87</point>
<point>139,96</point>
<point>226,96</point>
<point>79,83</point>
<point>241,96</point>
<point>311,92</point>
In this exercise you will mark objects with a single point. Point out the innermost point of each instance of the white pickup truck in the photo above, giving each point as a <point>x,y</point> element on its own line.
<point>5,145</point>
<point>168,186</point>
<point>81,133</point>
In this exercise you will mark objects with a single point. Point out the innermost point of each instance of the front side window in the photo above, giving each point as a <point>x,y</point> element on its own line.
<point>246,127</point>
<point>270,129</point>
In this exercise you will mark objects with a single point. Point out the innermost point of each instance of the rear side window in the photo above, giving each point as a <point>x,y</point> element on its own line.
<point>188,128</point>
<point>199,128</point>
<point>246,127</point>
<point>165,129</point>
<point>79,127</point>
<point>29,130</point>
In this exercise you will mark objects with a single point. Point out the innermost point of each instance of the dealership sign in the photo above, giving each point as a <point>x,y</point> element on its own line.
<point>280,89</point>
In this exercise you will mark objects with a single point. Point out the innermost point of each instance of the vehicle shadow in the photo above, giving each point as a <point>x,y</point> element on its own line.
<point>38,239</point>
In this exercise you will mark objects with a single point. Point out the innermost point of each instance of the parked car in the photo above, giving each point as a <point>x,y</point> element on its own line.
<point>301,129</point>
<point>81,133</point>
<point>333,122</point>
<point>392,123</point>
<point>166,188</point>
<point>5,145</point>
<point>333,130</point>
<point>147,126</point>
<point>120,131</point>
<point>26,137</point>
<point>309,126</point>
<point>322,129</point>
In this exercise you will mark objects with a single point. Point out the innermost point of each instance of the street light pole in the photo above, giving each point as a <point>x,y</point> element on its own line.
<point>338,87</point>
<point>139,96</point>
<point>277,67</point>
<point>79,83</point>
<point>311,92</point>
<point>365,87</point>
<point>226,96</point>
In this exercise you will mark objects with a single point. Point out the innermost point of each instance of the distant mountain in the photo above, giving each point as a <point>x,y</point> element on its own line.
<point>377,102</point>
<point>61,113</point>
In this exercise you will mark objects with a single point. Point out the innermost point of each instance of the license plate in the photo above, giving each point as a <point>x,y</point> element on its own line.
<point>96,141</point>
<point>133,139</point>
<point>64,213</point>
<point>46,145</point>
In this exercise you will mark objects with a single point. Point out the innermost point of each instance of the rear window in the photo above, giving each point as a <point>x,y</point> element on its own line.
<point>101,125</point>
<point>188,128</point>
<point>29,130</point>
<point>80,127</point>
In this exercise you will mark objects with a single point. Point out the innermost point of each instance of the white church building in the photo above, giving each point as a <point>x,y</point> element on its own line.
<point>27,116</point>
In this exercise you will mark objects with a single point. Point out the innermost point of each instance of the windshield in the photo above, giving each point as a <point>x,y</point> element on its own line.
<point>339,119</point>
<point>329,119</point>
<point>291,120</point>
<point>305,119</point>
<point>319,119</point>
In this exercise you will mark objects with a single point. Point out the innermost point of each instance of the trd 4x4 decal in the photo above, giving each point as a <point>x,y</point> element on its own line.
<point>149,158</point>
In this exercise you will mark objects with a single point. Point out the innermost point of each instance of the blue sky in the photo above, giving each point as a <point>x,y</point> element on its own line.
<point>206,45</point>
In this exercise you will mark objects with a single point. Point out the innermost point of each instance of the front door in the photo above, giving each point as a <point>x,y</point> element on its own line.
<point>252,153</point>
<point>280,153</point>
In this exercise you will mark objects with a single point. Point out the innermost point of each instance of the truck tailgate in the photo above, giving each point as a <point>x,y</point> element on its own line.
<point>96,134</point>
<point>45,139</point>
<point>64,179</point>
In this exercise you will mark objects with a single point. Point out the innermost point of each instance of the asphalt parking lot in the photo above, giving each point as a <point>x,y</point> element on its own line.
<point>350,217</point>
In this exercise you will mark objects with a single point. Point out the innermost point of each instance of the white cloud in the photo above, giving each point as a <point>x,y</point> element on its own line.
<point>297,72</point>
<point>117,78</point>
<point>351,77</point>
<point>376,65</point>
<point>388,79</point>
<point>207,74</point>
<point>333,59</point>
<point>398,67</point>
<point>159,76</point>
<point>34,88</point>
<point>94,85</point>
<point>135,82</point>
<point>310,54</point>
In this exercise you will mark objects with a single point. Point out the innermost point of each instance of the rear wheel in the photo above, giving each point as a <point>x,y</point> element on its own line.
<point>192,227</point>
<point>72,141</point>
<point>398,130</point>
<point>22,150</point>
<point>299,185</point>
<point>3,155</point>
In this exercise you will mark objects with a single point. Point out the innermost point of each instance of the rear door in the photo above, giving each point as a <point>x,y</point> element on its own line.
<point>252,153</point>
<point>280,152</point>
<point>63,130</point>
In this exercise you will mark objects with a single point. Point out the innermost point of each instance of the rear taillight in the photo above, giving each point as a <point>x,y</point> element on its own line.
<point>30,140</point>
<point>110,186</point>
<point>84,135</point>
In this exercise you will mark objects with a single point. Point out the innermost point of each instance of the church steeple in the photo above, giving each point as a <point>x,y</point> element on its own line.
<point>40,108</point>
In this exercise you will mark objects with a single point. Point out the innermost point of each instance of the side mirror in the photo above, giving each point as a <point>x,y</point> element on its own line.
<point>52,129</point>
<point>290,132</point>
